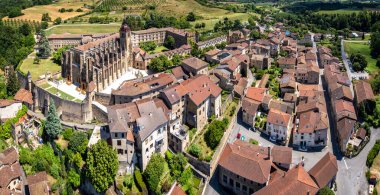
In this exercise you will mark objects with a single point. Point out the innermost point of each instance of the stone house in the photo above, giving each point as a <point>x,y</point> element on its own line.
<point>325,171</point>
<point>244,168</point>
<point>282,156</point>
<point>260,62</point>
<point>363,94</point>
<point>287,62</point>
<point>195,66</point>
<point>249,109</point>
<point>38,184</point>
<point>137,89</point>
<point>11,172</point>
<point>278,125</point>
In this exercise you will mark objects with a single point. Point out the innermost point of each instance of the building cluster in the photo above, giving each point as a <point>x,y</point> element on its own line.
<point>245,168</point>
<point>13,180</point>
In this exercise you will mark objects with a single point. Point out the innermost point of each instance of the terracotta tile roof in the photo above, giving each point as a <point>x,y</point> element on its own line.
<point>345,127</point>
<point>264,81</point>
<point>195,63</point>
<point>200,88</point>
<point>240,87</point>
<point>288,81</point>
<point>282,106</point>
<point>8,156</point>
<point>344,109</point>
<point>24,95</point>
<point>363,91</point>
<point>361,133</point>
<point>178,72</point>
<point>282,154</point>
<point>325,170</point>
<point>174,93</point>
<point>287,61</point>
<point>246,160</point>
<point>278,118</point>
<point>250,106</point>
<point>256,93</point>
<point>177,190</point>
<point>290,97</point>
<point>213,52</point>
<point>5,102</point>
<point>9,173</point>
<point>312,121</point>
<point>339,91</point>
<point>38,184</point>
<point>294,182</point>
<point>302,87</point>
<point>98,42</point>
<point>144,85</point>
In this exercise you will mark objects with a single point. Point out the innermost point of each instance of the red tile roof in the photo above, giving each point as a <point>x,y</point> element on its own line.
<point>24,95</point>
<point>363,91</point>
<point>195,63</point>
<point>282,154</point>
<point>344,109</point>
<point>246,160</point>
<point>278,118</point>
<point>325,170</point>
<point>200,88</point>
<point>255,93</point>
<point>5,102</point>
<point>250,106</point>
<point>294,182</point>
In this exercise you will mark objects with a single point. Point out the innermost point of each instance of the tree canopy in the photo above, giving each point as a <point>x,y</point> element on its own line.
<point>169,42</point>
<point>160,63</point>
<point>358,61</point>
<point>101,165</point>
<point>78,142</point>
<point>156,172</point>
<point>53,125</point>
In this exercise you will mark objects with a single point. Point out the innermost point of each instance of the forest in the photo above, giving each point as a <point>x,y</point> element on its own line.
<point>12,8</point>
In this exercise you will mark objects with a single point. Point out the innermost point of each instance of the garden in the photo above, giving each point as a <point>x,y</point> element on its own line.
<point>206,142</point>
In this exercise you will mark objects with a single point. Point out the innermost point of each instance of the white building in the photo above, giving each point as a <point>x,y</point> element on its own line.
<point>278,125</point>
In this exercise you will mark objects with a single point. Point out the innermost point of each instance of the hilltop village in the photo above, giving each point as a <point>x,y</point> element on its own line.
<point>232,114</point>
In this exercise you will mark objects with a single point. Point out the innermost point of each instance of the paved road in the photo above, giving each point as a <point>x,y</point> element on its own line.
<point>347,64</point>
<point>351,178</point>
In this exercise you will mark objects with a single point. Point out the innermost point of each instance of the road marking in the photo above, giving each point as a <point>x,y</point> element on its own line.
<point>345,163</point>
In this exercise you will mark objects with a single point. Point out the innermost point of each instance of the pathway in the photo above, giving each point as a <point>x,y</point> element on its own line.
<point>347,64</point>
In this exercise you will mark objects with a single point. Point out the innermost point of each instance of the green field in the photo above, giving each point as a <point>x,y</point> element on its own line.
<point>159,49</point>
<point>339,11</point>
<point>84,28</point>
<point>210,23</point>
<point>362,48</point>
<point>36,70</point>
<point>53,90</point>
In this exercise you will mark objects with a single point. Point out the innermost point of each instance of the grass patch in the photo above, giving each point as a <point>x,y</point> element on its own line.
<point>211,21</point>
<point>362,48</point>
<point>339,11</point>
<point>35,12</point>
<point>159,49</point>
<point>45,86</point>
<point>62,94</point>
<point>84,29</point>
<point>62,142</point>
<point>36,70</point>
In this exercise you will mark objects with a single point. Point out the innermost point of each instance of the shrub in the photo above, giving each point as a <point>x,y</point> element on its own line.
<point>186,176</point>
<point>156,173</point>
<point>208,158</point>
<point>253,141</point>
<point>373,153</point>
<point>195,150</point>
<point>325,191</point>
<point>68,133</point>
<point>215,133</point>
<point>79,10</point>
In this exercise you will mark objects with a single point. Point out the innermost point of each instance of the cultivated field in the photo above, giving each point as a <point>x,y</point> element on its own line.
<point>339,11</point>
<point>35,13</point>
<point>362,48</point>
<point>83,29</point>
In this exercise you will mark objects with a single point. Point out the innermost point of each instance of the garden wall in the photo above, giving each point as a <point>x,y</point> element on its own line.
<point>104,99</point>
<point>201,166</point>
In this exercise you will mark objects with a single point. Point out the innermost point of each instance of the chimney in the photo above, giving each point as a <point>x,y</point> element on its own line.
<point>238,147</point>
<point>269,152</point>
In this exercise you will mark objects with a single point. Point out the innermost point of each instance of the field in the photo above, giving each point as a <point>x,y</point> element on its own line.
<point>113,5</point>
<point>36,70</point>
<point>35,13</point>
<point>375,170</point>
<point>84,28</point>
<point>362,48</point>
<point>339,11</point>
<point>210,23</point>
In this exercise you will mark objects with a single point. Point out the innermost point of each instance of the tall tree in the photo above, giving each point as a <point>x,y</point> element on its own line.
<point>13,85</point>
<point>102,165</point>
<point>44,50</point>
<point>155,173</point>
<point>53,126</point>
<point>169,42</point>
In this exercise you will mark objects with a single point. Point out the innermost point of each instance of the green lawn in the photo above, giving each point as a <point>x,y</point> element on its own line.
<point>84,29</point>
<point>37,70</point>
<point>159,49</point>
<point>53,90</point>
<point>362,48</point>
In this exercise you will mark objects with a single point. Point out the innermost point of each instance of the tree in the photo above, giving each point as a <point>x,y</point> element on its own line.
<point>191,17</point>
<point>25,29</point>
<point>13,85</point>
<point>156,172</point>
<point>148,46</point>
<point>195,150</point>
<point>325,191</point>
<point>46,17</point>
<point>169,42</point>
<point>375,44</point>
<point>177,59</point>
<point>53,126</point>
<point>58,21</point>
<point>44,25</point>
<point>160,63</point>
<point>101,165</point>
<point>44,49</point>
<point>177,164</point>
<point>358,61</point>
<point>215,133</point>
<point>78,142</point>
<point>255,34</point>
<point>74,178</point>
<point>57,56</point>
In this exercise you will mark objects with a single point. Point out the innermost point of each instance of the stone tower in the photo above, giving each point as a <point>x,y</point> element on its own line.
<point>126,42</point>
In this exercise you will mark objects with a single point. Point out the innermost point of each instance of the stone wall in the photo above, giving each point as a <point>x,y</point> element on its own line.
<point>201,166</point>
<point>102,98</point>
<point>99,115</point>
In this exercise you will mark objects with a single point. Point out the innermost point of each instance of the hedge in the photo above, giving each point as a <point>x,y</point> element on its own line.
<point>140,182</point>
<point>373,153</point>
